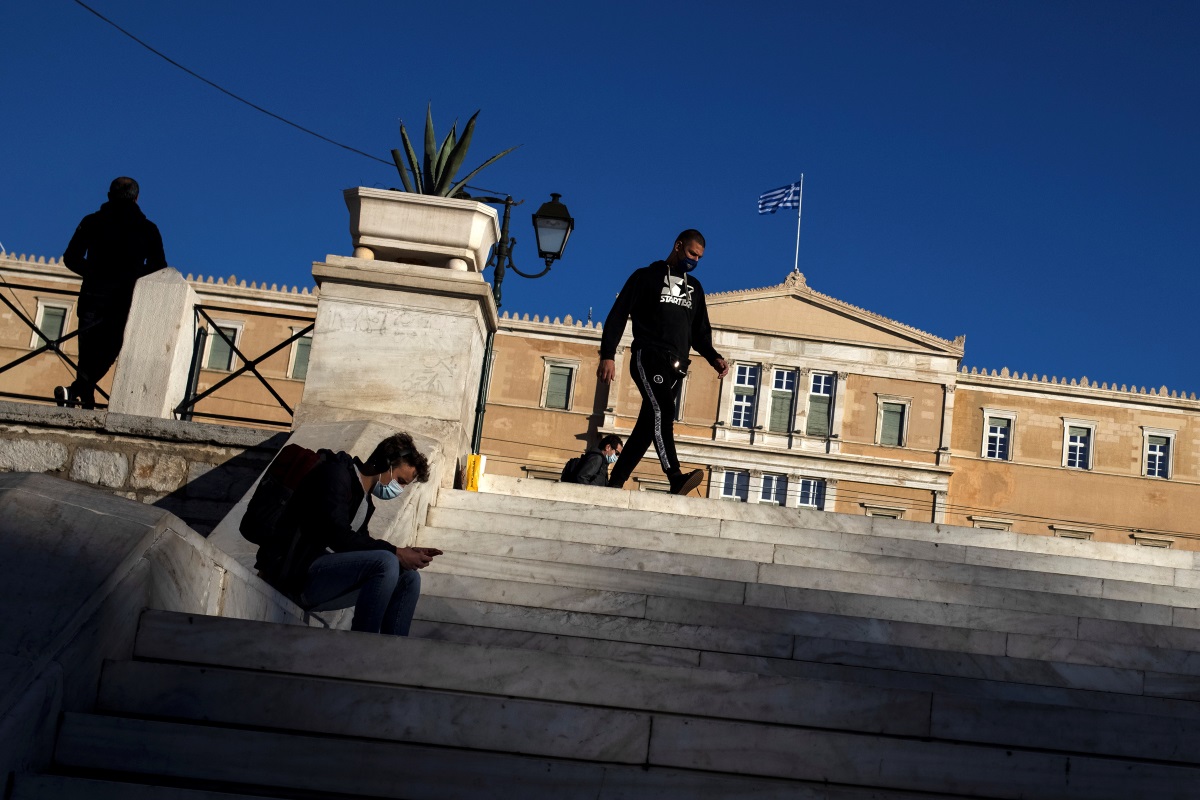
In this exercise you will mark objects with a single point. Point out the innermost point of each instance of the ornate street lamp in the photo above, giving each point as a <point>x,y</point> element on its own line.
<point>553,225</point>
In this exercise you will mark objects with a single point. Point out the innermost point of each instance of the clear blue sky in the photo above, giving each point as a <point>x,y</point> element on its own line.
<point>1025,173</point>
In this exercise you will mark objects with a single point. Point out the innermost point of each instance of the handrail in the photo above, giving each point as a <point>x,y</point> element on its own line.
<point>48,344</point>
<point>186,410</point>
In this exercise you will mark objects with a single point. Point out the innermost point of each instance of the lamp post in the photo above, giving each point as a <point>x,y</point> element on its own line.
<point>552,226</point>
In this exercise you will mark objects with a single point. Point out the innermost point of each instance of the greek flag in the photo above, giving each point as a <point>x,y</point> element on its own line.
<point>783,197</point>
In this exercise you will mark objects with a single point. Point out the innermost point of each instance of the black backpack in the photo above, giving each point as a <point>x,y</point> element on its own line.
<point>260,523</point>
<point>570,470</point>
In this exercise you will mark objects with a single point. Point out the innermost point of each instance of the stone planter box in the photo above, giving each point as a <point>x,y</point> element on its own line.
<point>421,229</point>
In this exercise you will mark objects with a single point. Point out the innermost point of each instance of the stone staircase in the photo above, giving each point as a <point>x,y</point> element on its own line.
<point>580,642</point>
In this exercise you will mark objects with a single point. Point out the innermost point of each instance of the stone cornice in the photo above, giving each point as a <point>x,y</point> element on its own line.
<point>1082,388</point>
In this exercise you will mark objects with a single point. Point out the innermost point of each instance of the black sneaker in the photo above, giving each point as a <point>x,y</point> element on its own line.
<point>62,396</point>
<point>683,483</point>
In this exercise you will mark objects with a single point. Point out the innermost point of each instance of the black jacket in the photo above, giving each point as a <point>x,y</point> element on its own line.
<point>111,249</point>
<point>593,468</point>
<point>323,509</point>
<point>669,314</point>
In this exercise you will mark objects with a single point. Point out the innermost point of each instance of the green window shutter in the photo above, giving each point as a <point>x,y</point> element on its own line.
<point>300,365</point>
<point>1080,433</point>
<point>893,424</point>
<point>1159,440</point>
<point>781,412</point>
<point>818,415</point>
<point>53,320</point>
<point>999,422</point>
<point>220,355</point>
<point>744,391</point>
<point>558,386</point>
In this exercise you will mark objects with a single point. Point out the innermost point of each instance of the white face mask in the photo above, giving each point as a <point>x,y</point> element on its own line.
<point>611,458</point>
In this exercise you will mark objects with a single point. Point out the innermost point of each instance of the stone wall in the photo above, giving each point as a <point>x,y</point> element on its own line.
<point>195,470</point>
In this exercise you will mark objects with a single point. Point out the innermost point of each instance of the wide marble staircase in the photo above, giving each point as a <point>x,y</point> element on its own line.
<point>580,642</point>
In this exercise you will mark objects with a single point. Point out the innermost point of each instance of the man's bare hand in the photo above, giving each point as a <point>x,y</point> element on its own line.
<point>607,370</point>
<point>416,557</point>
<point>721,367</point>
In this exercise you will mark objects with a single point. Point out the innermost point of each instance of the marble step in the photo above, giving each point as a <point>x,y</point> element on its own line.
<point>564,720</point>
<point>773,609</point>
<point>345,655</point>
<point>378,711</point>
<point>583,576</point>
<point>564,730</point>
<point>830,659</point>
<point>730,756</point>
<point>627,574</point>
<point>760,544</point>
<point>60,787</point>
<point>699,516</point>
<point>959,769</point>
<point>306,766</point>
<point>895,576</point>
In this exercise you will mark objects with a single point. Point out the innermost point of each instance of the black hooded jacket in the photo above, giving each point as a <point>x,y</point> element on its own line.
<point>669,314</point>
<point>111,249</point>
<point>323,508</point>
<point>593,468</point>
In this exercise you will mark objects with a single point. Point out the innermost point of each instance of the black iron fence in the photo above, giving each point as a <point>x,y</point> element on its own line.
<point>187,409</point>
<point>48,345</point>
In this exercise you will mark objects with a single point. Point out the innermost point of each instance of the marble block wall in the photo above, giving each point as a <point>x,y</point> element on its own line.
<point>79,565</point>
<point>195,470</point>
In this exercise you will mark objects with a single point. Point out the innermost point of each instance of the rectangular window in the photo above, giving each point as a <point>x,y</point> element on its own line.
<point>999,437</point>
<point>745,387</point>
<point>51,321</point>
<point>1158,454</point>
<point>891,427</point>
<point>810,493</point>
<point>774,489</point>
<point>783,394</point>
<point>820,404</point>
<point>736,486</point>
<point>300,350</point>
<point>558,386</point>
<point>1079,445</point>
<point>220,354</point>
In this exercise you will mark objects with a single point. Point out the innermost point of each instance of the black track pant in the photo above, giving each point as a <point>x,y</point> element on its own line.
<point>655,378</point>
<point>102,332</point>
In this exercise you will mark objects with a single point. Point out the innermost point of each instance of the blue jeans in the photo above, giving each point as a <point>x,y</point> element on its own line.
<point>386,594</point>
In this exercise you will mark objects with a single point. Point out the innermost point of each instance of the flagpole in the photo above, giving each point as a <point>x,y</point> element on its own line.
<point>799,206</point>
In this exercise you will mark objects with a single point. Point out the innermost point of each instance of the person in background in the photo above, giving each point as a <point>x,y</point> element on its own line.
<point>110,250</point>
<point>592,468</point>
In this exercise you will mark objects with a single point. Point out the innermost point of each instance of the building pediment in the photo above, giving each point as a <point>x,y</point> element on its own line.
<point>793,309</point>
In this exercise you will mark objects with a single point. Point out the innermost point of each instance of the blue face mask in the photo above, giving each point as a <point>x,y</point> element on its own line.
<point>611,458</point>
<point>687,264</point>
<point>387,491</point>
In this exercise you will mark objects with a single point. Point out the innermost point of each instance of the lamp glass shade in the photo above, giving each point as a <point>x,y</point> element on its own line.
<point>553,225</point>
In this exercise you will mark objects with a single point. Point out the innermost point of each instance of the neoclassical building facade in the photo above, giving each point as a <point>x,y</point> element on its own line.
<point>825,406</point>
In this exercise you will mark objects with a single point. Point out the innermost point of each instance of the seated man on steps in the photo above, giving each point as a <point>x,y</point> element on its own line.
<point>331,509</point>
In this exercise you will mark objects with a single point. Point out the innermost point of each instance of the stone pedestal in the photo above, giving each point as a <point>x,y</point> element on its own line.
<point>401,344</point>
<point>152,370</point>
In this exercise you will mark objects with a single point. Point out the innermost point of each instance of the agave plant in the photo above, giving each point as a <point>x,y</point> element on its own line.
<point>435,175</point>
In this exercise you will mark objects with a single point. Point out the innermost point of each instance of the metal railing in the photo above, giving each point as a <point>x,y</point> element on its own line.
<point>186,410</point>
<point>48,344</point>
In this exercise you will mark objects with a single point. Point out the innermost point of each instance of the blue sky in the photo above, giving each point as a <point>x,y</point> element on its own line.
<point>1024,173</point>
